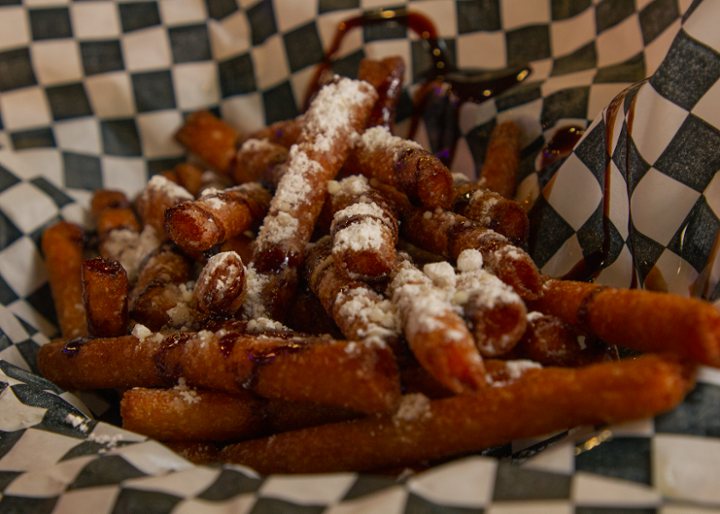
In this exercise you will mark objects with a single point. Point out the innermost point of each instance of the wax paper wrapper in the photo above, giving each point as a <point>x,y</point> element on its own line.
<point>91,93</point>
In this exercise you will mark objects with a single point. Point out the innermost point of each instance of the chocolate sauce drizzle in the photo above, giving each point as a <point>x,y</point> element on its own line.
<point>445,87</point>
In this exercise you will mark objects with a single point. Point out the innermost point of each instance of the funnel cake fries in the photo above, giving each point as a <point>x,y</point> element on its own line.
<point>199,225</point>
<point>105,297</point>
<point>386,77</point>
<point>159,195</point>
<point>437,336</point>
<point>552,342</point>
<point>187,175</point>
<point>256,159</point>
<point>187,414</point>
<point>491,210</point>
<point>643,320</point>
<point>496,314</point>
<point>402,164</point>
<point>354,375</point>
<point>63,245</point>
<point>361,313</point>
<point>339,111</point>
<point>364,230</point>
<point>210,138</point>
<point>220,288</point>
<point>284,133</point>
<point>448,234</point>
<point>539,402</point>
<point>502,160</point>
<point>158,288</point>
<point>110,210</point>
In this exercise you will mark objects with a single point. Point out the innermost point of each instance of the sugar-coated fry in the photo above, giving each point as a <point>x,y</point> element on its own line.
<point>187,414</point>
<point>63,245</point>
<point>360,312</point>
<point>256,160</point>
<point>437,336</point>
<point>284,133</point>
<point>220,288</point>
<point>425,179</point>
<point>111,210</point>
<point>105,297</point>
<point>157,290</point>
<point>189,176</point>
<point>159,195</point>
<point>338,112</point>
<point>386,76</point>
<point>402,164</point>
<point>639,319</point>
<point>540,402</point>
<point>364,230</point>
<point>354,375</point>
<point>197,452</point>
<point>130,248</point>
<point>199,225</point>
<point>448,234</point>
<point>552,342</point>
<point>210,138</point>
<point>502,160</point>
<point>490,209</point>
<point>495,313</point>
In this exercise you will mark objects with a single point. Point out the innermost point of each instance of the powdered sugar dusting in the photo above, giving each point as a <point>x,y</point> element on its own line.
<point>379,139</point>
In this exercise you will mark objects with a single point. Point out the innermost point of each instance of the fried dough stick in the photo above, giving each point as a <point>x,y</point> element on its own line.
<point>337,113</point>
<point>210,138</point>
<point>643,320</point>
<point>496,314</point>
<point>362,377</point>
<point>187,175</point>
<point>158,195</point>
<point>552,342</point>
<point>448,234</point>
<point>386,76</point>
<point>158,287</point>
<point>220,288</point>
<point>541,401</point>
<point>284,133</point>
<point>63,245</point>
<point>502,160</point>
<point>256,159</point>
<point>199,225</point>
<point>492,210</point>
<point>105,297</point>
<point>111,210</point>
<point>402,164</point>
<point>360,312</point>
<point>364,230</point>
<point>436,334</point>
<point>186,414</point>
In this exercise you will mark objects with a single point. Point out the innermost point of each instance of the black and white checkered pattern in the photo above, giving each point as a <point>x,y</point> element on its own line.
<point>91,93</point>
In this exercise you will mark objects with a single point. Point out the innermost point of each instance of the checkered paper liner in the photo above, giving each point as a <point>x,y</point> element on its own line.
<point>91,93</point>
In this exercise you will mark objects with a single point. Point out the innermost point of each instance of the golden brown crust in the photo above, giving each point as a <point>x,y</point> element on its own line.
<point>210,138</point>
<point>354,375</point>
<point>502,160</point>
<point>63,245</point>
<point>643,320</point>
<point>105,297</point>
<point>542,401</point>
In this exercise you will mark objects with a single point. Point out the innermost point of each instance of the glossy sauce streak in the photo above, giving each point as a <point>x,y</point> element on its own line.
<point>445,88</point>
<point>589,268</point>
<point>73,346</point>
<point>560,146</point>
<point>262,357</point>
<point>160,358</point>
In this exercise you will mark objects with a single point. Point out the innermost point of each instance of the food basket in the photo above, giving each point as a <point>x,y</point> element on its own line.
<point>91,94</point>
